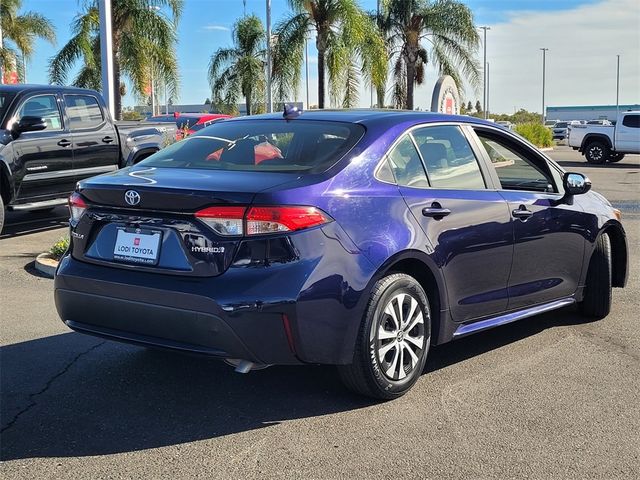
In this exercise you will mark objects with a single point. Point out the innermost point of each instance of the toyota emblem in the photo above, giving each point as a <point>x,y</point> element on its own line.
<point>132,197</point>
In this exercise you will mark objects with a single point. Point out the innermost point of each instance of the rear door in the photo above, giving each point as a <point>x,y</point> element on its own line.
<point>95,142</point>
<point>628,134</point>
<point>549,235</point>
<point>43,159</point>
<point>468,224</point>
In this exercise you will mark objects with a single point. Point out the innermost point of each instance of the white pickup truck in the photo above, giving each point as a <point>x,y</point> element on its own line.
<point>607,143</point>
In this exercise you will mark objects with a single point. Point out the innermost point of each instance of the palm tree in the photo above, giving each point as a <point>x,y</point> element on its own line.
<point>144,39</point>
<point>240,70</point>
<point>19,33</point>
<point>347,42</point>
<point>446,26</point>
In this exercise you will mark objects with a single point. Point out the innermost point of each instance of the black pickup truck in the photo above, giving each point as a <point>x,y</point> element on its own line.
<point>51,137</point>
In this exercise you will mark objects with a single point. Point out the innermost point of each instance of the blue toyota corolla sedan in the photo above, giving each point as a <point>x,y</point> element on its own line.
<point>352,238</point>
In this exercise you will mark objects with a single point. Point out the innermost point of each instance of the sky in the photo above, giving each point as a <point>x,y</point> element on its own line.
<point>583,38</point>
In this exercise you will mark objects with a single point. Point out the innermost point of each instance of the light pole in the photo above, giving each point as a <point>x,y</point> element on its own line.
<point>269,100</point>
<point>486,112</point>
<point>106,55</point>
<point>484,72</point>
<point>306,68</point>
<point>544,73</point>
<point>618,87</point>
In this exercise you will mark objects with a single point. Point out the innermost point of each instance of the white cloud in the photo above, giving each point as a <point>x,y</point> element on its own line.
<point>220,28</point>
<point>581,62</point>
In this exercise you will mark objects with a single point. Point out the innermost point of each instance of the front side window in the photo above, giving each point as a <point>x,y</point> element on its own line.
<point>42,106</point>
<point>84,111</point>
<point>406,164</point>
<point>449,159</point>
<point>262,145</point>
<point>516,170</point>
<point>632,121</point>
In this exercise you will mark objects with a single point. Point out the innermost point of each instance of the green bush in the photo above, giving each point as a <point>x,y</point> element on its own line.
<point>536,133</point>
<point>59,248</point>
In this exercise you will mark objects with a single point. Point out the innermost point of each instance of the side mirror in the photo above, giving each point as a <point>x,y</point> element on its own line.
<point>576,183</point>
<point>29,124</point>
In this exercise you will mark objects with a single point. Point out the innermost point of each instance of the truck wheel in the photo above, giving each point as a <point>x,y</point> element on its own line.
<point>596,152</point>
<point>616,157</point>
<point>393,341</point>
<point>597,294</point>
<point>1,213</point>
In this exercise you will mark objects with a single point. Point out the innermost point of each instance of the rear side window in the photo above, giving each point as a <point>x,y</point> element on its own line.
<point>632,121</point>
<point>84,111</point>
<point>262,145</point>
<point>406,164</point>
<point>449,159</point>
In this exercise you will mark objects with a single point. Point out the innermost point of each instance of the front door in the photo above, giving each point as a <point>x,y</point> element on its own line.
<point>467,224</point>
<point>549,235</point>
<point>95,143</point>
<point>43,159</point>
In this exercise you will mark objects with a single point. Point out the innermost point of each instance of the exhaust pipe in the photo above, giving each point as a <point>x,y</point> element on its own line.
<point>244,366</point>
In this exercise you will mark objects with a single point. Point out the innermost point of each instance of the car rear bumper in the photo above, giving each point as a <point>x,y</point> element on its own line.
<point>90,302</point>
<point>304,310</point>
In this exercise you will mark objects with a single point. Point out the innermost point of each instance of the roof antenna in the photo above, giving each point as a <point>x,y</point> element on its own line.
<point>291,112</point>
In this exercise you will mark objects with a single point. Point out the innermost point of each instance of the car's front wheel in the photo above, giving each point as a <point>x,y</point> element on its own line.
<point>596,152</point>
<point>393,341</point>
<point>597,295</point>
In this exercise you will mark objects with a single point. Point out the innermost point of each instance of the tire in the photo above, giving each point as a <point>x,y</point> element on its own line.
<point>597,152</point>
<point>597,295</point>
<point>616,157</point>
<point>389,374</point>
<point>1,212</point>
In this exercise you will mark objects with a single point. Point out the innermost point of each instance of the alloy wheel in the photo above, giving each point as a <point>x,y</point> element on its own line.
<point>400,337</point>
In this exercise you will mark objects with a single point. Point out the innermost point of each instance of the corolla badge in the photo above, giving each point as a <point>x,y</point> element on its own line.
<point>132,197</point>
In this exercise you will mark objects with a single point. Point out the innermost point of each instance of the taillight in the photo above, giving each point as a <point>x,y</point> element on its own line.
<point>261,220</point>
<point>77,206</point>
<point>224,220</point>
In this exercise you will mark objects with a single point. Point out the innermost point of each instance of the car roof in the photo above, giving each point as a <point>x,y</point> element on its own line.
<point>367,116</point>
<point>30,87</point>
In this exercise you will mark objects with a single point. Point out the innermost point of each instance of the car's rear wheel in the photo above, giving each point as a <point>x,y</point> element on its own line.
<point>616,157</point>
<point>393,341</point>
<point>597,295</point>
<point>596,152</point>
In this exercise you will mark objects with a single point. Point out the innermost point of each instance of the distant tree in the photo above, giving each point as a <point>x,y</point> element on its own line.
<point>19,32</point>
<point>207,101</point>
<point>478,106</point>
<point>238,71</point>
<point>469,107</point>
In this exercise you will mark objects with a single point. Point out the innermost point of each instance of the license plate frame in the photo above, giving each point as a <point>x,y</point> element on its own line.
<point>132,244</point>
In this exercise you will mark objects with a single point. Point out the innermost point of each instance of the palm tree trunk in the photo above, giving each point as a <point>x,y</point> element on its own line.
<point>411,81</point>
<point>321,71</point>
<point>117,98</point>
<point>247,100</point>
<point>380,94</point>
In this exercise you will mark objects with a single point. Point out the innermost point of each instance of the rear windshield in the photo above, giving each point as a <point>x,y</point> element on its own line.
<point>262,145</point>
<point>561,125</point>
<point>186,122</point>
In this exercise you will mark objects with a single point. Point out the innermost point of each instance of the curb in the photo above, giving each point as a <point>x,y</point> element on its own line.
<point>46,264</point>
<point>546,149</point>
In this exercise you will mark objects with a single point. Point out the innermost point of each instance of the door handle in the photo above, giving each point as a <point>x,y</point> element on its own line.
<point>107,139</point>
<point>435,211</point>
<point>64,142</point>
<point>522,213</point>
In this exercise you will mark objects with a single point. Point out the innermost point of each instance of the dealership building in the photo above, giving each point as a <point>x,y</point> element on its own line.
<point>588,112</point>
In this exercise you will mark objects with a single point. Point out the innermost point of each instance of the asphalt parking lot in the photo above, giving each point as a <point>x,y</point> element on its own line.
<point>548,397</point>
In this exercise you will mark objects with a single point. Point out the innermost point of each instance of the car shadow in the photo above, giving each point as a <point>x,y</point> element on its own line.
<point>18,223</point>
<point>587,165</point>
<point>74,395</point>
